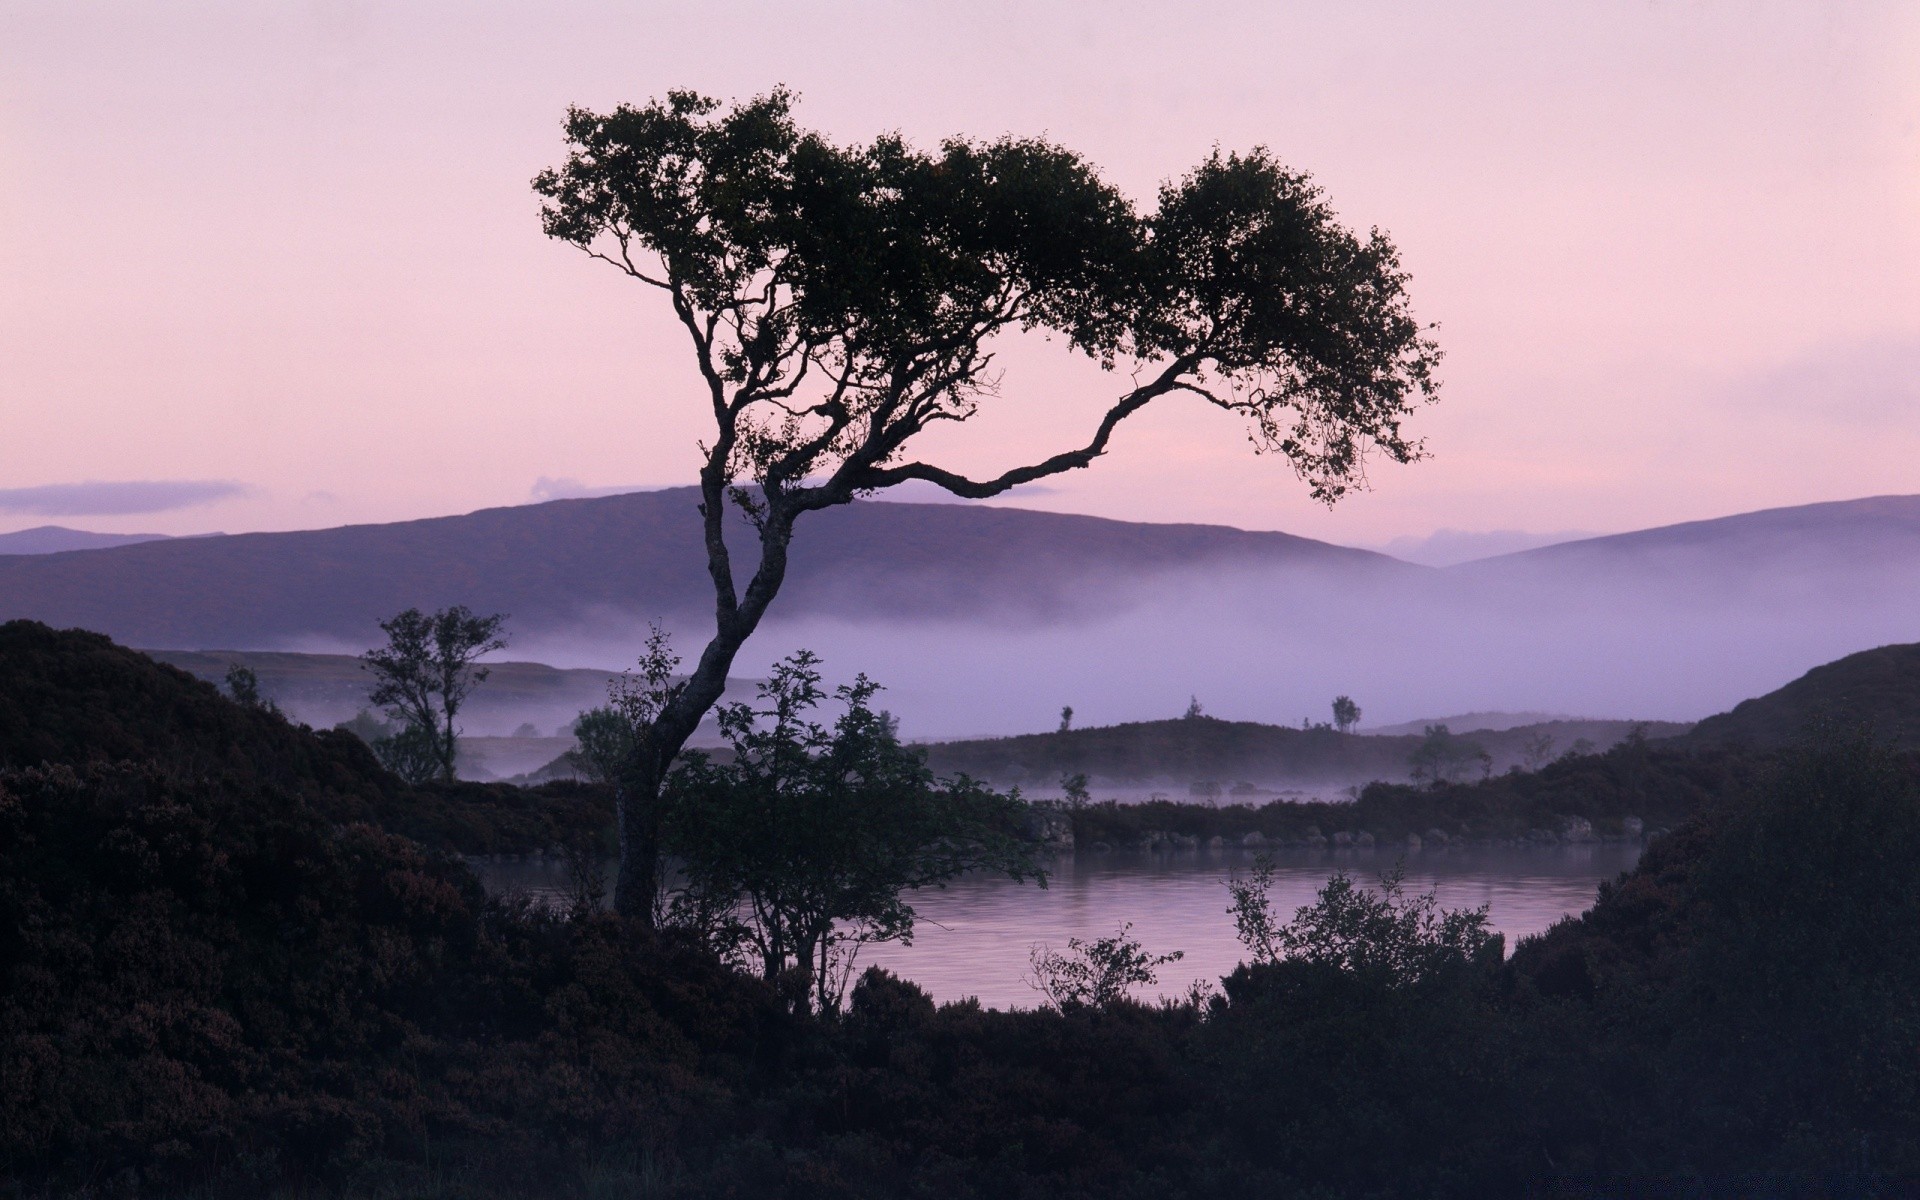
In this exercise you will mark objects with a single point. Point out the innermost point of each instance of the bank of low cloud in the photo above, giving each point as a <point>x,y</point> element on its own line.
<point>97,498</point>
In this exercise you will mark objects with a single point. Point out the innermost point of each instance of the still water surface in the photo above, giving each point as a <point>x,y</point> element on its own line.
<point>974,937</point>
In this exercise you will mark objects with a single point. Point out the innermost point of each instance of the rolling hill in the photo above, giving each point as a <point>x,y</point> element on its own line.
<point>56,539</point>
<point>639,555</point>
<point>1177,755</point>
<point>1791,546</point>
<point>1879,687</point>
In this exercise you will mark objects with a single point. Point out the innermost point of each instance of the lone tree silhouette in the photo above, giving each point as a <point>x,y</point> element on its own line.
<point>422,677</point>
<point>1346,714</point>
<point>841,300</point>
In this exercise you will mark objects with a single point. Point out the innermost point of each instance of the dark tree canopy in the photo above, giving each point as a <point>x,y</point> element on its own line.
<point>842,300</point>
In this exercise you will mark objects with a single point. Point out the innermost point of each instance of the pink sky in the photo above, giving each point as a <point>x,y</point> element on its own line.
<point>1674,249</point>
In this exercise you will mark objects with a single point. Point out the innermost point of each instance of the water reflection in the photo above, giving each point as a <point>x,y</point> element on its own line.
<point>974,936</point>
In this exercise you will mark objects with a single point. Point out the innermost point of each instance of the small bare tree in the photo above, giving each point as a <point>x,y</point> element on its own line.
<point>841,301</point>
<point>1095,974</point>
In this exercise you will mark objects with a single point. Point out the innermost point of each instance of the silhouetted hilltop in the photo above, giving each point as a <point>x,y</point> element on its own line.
<point>57,539</point>
<point>1879,687</point>
<point>71,697</point>
<point>570,562</point>
<point>1175,755</point>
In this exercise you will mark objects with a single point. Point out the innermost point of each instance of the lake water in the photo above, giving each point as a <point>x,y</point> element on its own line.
<point>975,936</point>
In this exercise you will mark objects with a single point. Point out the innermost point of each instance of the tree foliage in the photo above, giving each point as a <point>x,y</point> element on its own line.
<point>800,846</point>
<point>423,675</point>
<point>1346,714</point>
<point>879,273</point>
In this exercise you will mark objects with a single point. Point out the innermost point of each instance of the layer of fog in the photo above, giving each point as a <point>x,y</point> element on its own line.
<point>1450,547</point>
<point>1655,640</point>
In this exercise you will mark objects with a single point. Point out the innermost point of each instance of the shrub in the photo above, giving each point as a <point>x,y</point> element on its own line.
<point>1097,974</point>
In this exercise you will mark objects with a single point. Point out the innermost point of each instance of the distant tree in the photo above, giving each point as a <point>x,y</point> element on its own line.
<point>407,750</point>
<point>1194,711</point>
<point>412,752</point>
<point>841,301</point>
<point>526,729</point>
<point>244,686</point>
<point>1444,757</point>
<point>1096,974</point>
<point>367,727</point>
<point>1346,714</point>
<point>1580,749</point>
<point>604,744</point>
<point>800,847</point>
<point>424,673</point>
<point>1075,787</point>
<point>1537,750</point>
<point>1066,718</point>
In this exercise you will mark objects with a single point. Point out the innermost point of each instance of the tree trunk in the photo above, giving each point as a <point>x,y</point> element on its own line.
<point>637,801</point>
<point>446,748</point>
<point>641,804</point>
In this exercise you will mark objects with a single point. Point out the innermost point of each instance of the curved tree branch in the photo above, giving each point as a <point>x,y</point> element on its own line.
<point>1169,380</point>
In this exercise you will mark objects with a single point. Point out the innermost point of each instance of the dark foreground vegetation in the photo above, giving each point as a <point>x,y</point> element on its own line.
<point>222,978</point>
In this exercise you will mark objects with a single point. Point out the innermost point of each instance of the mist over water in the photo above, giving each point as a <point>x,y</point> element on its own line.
<point>1663,640</point>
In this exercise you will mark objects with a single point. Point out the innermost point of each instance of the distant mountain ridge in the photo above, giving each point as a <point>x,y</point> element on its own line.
<point>1827,532</point>
<point>57,539</point>
<point>637,555</point>
<point>989,619</point>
